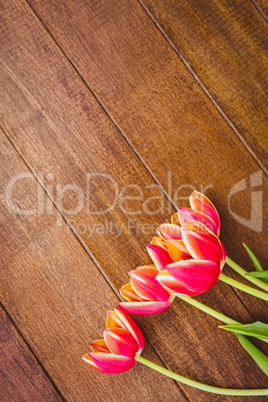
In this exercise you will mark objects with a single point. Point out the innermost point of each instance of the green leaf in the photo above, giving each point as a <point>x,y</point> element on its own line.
<point>256,354</point>
<point>257,274</point>
<point>254,259</point>
<point>255,262</point>
<point>257,329</point>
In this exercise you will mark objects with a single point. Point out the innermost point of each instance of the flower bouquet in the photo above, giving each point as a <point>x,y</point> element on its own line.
<point>188,259</point>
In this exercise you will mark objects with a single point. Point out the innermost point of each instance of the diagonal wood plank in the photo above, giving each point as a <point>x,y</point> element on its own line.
<point>225,45</point>
<point>160,109</point>
<point>59,300</point>
<point>21,376</point>
<point>65,132</point>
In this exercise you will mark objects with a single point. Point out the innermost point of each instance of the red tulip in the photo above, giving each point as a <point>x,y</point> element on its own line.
<point>144,294</point>
<point>190,265</point>
<point>122,344</point>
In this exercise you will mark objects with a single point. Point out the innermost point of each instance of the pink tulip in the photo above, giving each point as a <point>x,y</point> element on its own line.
<point>144,294</point>
<point>123,342</point>
<point>202,211</point>
<point>190,265</point>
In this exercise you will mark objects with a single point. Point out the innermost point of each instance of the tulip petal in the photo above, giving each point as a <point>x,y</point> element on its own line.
<point>172,285</point>
<point>157,241</point>
<point>111,363</point>
<point>144,284</point>
<point>177,250</point>
<point>129,294</point>
<point>113,321</point>
<point>131,326</point>
<point>189,214</point>
<point>121,342</point>
<point>195,275</point>
<point>169,231</point>
<point>202,243</point>
<point>100,346</point>
<point>146,307</point>
<point>160,256</point>
<point>201,203</point>
<point>87,359</point>
<point>175,220</point>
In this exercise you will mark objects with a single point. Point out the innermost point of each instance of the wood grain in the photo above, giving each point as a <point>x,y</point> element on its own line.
<point>58,126</point>
<point>160,109</point>
<point>225,44</point>
<point>21,376</point>
<point>59,300</point>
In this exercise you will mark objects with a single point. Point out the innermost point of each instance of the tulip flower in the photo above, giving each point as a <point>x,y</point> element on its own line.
<point>122,344</point>
<point>190,262</point>
<point>202,211</point>
<point>144,294</point>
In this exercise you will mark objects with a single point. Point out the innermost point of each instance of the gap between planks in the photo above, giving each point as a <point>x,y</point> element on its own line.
<point>259,9</point>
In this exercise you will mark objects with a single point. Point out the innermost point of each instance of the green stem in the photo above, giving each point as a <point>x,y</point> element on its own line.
<point>199,385</point>
<point>243,272</point>
<point>244,288</point>
<point>208,310</point>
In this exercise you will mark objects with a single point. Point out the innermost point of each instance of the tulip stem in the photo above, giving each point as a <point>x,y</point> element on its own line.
<point>244,288</point>
<point>243,272</point>
<point>199,385</point>
<point>208,310</point>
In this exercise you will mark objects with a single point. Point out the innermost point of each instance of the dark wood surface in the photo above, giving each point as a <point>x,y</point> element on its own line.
<point>94,87</point>
<point>21,376</point>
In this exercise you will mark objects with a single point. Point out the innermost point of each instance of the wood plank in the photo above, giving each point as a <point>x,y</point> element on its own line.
<point>59,300</point>
<point>161,110</point>
<point>225,44</point>
<point>21,376</point>
<point>65,130</point>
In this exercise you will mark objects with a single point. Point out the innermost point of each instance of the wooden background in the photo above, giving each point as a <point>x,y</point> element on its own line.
<point>163,93</point>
